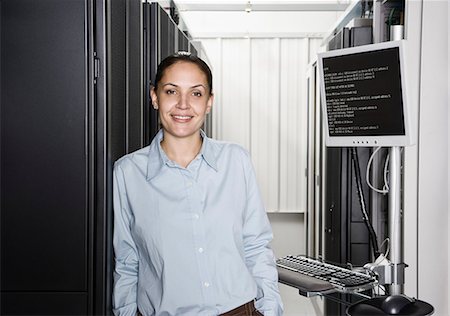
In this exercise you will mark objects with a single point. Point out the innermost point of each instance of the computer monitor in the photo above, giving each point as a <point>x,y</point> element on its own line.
<point>363,95</point>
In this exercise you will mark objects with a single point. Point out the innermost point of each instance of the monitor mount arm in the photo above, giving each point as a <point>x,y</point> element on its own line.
<point>392,271</point>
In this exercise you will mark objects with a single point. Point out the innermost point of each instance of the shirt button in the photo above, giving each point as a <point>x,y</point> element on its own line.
<point>206,284</point>
<point>200,249</point>
<point>196,216</point>
<point>189,184</point>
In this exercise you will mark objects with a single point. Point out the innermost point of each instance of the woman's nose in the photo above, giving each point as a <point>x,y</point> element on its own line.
<point>183,102</point>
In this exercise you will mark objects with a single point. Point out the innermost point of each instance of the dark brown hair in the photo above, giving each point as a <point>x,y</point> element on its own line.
<point>186,57</point>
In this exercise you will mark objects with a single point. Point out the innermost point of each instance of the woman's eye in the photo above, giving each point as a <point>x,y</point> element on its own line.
<point>197,93</point>
<point>170,91</point>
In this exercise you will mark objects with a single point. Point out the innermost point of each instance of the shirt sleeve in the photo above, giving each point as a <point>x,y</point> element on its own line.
<point>259,257</point>
<point>125,252</point>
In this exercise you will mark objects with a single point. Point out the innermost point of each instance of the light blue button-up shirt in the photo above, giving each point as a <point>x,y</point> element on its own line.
<point>191,241</point>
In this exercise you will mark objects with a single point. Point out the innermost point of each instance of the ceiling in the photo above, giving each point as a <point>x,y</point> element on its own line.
<point>235,18</point>
<point>261,5</point>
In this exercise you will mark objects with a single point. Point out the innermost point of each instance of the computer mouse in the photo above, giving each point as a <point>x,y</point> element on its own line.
<point>393,304</point>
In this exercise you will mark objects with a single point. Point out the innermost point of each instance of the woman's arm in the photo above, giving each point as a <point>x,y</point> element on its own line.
<point>125,252</point>
<point>258,254</point>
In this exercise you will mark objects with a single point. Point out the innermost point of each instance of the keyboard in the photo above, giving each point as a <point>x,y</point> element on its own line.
<point>342,279</point>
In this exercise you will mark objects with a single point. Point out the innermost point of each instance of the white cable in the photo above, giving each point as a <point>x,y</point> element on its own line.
<point>381,288</point>
<point>385,174</point>
<point>387,247</point>
<point>369,163</point>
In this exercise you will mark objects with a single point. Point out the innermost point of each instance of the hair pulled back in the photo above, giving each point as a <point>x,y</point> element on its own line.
<point>183,57</point>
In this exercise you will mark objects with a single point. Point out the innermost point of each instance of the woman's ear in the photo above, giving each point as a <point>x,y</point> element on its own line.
<point>154,98</point>
<point>210,103</point>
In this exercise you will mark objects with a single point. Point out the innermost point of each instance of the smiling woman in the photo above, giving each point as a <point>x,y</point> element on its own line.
<point>183,96</point>
<point>191,234</point>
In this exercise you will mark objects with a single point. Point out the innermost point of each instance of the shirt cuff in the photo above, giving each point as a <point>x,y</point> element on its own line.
<point>127,310</point>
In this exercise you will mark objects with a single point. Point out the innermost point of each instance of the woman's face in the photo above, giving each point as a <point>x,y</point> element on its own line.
<point>182,99</point>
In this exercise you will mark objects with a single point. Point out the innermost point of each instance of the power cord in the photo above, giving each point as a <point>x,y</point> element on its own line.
<point>372,234</point>
<point>387,241</point>
<point>385,188</point>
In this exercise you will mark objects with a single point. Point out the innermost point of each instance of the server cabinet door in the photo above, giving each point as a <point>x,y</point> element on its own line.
<point>167,29</point>
<point>183,41</point>
<point>44,241</point>
<point>150,64</point>
<point>125,40</point>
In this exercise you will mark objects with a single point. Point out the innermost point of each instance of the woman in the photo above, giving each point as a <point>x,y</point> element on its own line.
<point>191,235</point>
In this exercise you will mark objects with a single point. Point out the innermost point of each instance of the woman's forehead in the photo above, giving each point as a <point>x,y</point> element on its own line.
<point>184,71</point>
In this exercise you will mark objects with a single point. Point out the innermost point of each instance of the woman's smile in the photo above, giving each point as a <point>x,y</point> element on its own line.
<point>182,118</point>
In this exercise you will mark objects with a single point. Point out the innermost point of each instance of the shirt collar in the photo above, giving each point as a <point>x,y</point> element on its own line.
<point>157,158</point>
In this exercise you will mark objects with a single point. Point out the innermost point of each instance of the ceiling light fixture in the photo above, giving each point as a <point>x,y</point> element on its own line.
<point>248,7</point>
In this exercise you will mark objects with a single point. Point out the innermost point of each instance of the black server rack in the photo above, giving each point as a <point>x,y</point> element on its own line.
<point>161,38</point>
<point>71,104</point>
<point>361,35</point>
<point>151,60</point>
<point>49,165</point>
<point>166,37</point>
<point>346,238</point>
<point>183,42</point>
<point>340,40</point>
<point>75,78</point>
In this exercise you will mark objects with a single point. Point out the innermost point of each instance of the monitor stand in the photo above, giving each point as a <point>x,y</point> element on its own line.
<point>396,303</point>
<point>395,222</point>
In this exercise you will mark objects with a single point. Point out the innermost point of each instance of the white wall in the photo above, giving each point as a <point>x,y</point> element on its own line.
<point>413,22</point>
<point>426,171</point>
<point>261,104</point>
<point>433,189</point>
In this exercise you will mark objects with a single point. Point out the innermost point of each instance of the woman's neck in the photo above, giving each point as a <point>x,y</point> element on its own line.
<point>182,150</point>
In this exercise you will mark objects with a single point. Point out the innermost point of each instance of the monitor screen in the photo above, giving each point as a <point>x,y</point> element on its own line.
<point>363,96</point>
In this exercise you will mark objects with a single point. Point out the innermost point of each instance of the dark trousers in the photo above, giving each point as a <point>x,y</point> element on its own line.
<point>248,309</point>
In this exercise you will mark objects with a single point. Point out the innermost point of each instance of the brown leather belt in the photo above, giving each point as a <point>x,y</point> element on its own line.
<point>248,309</point>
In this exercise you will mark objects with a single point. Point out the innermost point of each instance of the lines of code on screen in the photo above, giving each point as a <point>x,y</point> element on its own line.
<point>364,94</point>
